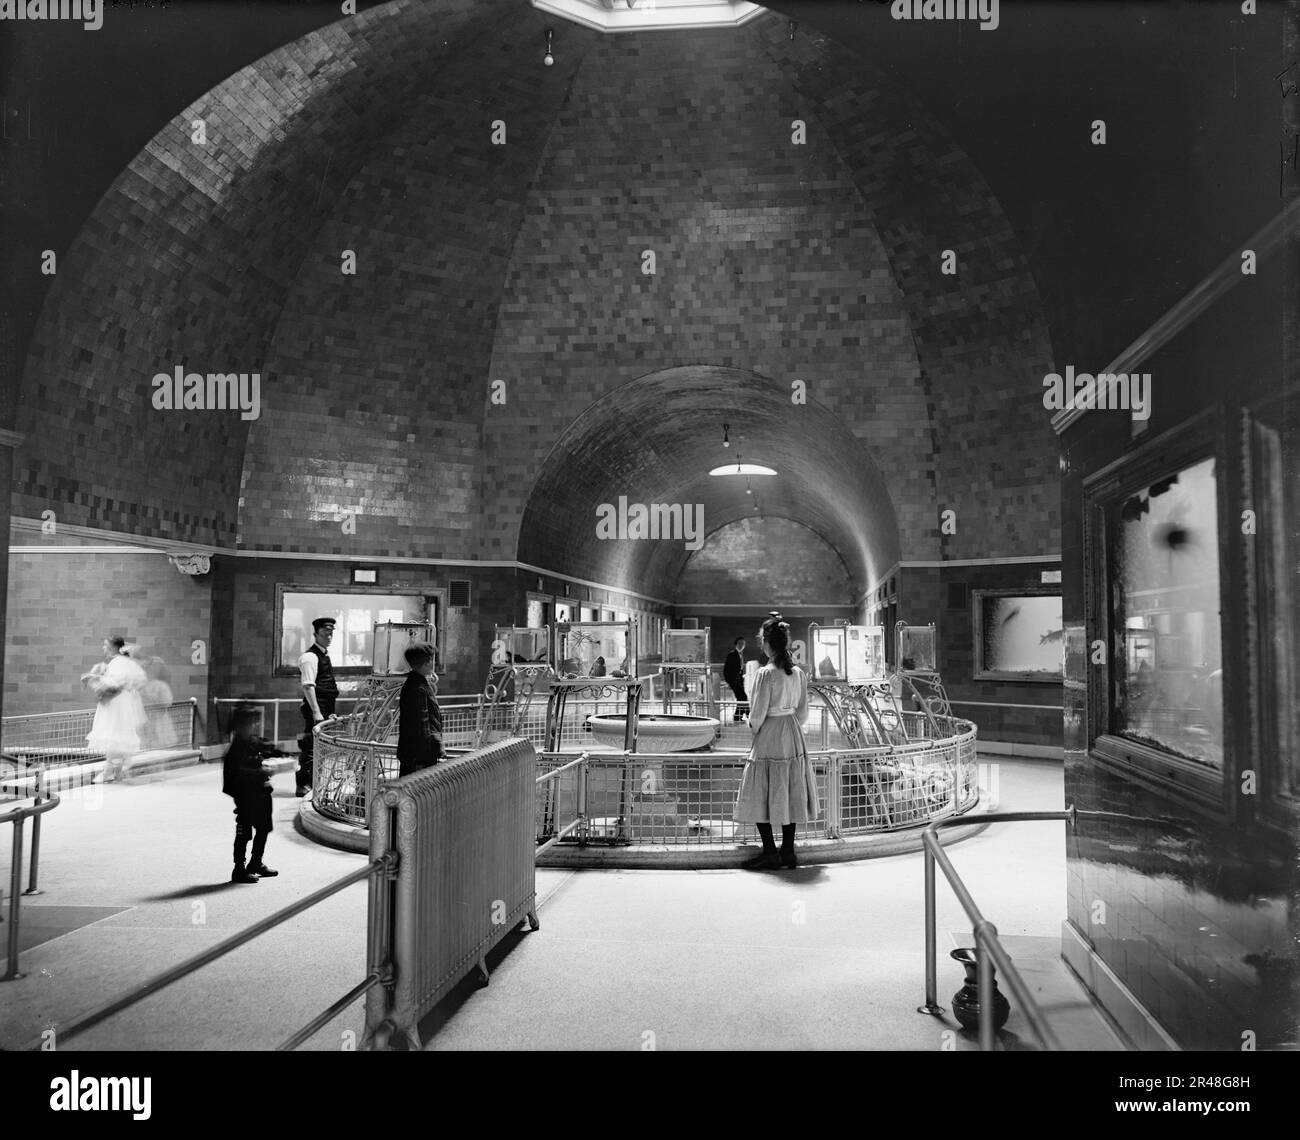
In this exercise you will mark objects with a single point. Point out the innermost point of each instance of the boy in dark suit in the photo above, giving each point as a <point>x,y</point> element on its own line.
<point>246,778</point>
<point>419,723</point>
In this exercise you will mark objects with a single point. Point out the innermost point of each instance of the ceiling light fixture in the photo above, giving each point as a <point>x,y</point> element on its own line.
<point>725,441</point>
<point>548,58</point>
<point>739,468</point>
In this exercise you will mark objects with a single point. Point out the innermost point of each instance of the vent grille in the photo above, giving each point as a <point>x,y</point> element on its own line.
<point>458,594</point>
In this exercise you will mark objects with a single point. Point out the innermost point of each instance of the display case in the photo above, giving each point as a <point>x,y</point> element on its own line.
<point>827,652</point>
<point>865,653</point>
<point>520,645</point>
<point>391,641</point>
<point>918,648</point>
<point>595,649</point>
<point>683,648</point>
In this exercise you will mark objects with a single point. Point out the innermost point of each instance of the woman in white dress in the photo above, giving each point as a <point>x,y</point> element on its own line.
<point>778,785</point>
<point>120,715</point>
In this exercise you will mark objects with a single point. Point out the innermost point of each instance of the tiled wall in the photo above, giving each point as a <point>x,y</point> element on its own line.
<point>924,597</point>
<point>64,602</point>
<point>769,564</point>
<point>730,200</point>
<point>246,599</point>
<point>188,260</point>
<point>521,263</point>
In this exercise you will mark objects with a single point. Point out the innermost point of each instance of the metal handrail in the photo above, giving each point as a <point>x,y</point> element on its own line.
<point>989,951</point>
<point>580,813</point>
<point>470,701</point>
<point>378,973</point>
<point>16,816</point>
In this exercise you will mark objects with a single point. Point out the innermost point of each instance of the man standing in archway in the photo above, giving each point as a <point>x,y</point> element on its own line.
<point>733,672</point>
<point>320,691</point>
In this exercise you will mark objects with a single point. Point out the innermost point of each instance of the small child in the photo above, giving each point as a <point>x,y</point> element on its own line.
<point>246,778</point>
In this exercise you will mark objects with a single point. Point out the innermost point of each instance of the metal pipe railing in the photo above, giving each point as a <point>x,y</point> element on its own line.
<point>16,816</point>
<point>989,951</point>
<point>34,870</point>
<point>580,812</point>
<point>376,970</point>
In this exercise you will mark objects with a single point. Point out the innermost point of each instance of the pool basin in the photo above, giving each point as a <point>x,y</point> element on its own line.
<point>655,732</point>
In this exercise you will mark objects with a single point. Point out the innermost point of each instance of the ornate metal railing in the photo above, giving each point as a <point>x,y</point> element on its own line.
<point>683,797</point>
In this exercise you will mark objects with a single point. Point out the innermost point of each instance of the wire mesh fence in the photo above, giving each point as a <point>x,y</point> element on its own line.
<point>60,737</point>
<point>56,742</point>
<point>681,798</point>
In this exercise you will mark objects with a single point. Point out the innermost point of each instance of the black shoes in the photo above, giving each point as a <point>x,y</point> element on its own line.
<point>771,861</point>
<point>766,861</point>
<point>242,875</point>
<point>263,871</point>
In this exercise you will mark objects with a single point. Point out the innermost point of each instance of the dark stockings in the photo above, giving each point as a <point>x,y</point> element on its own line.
<point>769,842</point>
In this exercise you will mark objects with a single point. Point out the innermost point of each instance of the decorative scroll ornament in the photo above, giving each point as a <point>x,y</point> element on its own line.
<point>191,564</point>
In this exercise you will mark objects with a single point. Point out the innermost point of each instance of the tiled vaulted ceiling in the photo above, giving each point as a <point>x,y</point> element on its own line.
<point>501,334</point>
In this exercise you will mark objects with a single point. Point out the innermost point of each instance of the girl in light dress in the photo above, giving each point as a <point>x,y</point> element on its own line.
<point>120,715</point>
<point>778,785</point>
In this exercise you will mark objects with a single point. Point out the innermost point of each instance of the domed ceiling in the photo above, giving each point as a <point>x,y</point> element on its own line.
<point>501,362</point>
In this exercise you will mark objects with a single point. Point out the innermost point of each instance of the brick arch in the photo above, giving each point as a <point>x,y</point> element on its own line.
<point>188,259</point>
<point>768,562</point>
<point>653,440</point>
<point>519,264</point>
<point>981,335</point>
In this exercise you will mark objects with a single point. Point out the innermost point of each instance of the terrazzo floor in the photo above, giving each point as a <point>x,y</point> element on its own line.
<point>823,957</point>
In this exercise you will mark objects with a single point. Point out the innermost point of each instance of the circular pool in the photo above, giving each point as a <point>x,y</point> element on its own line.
<point>656,732</point>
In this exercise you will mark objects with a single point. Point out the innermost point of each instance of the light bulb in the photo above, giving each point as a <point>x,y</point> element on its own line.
<point>548,59</point>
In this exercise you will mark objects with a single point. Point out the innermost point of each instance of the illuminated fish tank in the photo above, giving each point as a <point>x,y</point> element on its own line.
<point>865,653</point>
<point>595,649</point>
<point>520,645</point>
<point>391,641</point>
<point>827,652</point>
<point>917,648</point>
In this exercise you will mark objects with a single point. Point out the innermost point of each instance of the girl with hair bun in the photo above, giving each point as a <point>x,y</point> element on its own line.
<point>778,785</point>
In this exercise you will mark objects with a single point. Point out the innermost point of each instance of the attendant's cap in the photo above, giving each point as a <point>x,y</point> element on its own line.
<point>320,622</point>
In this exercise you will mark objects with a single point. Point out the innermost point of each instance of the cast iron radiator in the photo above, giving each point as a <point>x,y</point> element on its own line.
<point>466,877</point>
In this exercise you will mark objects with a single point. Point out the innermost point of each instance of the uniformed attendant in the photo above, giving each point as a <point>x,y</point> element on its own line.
<point>320,691</point>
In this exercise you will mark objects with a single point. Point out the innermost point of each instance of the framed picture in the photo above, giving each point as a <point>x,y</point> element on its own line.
<point>1019,635</point>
